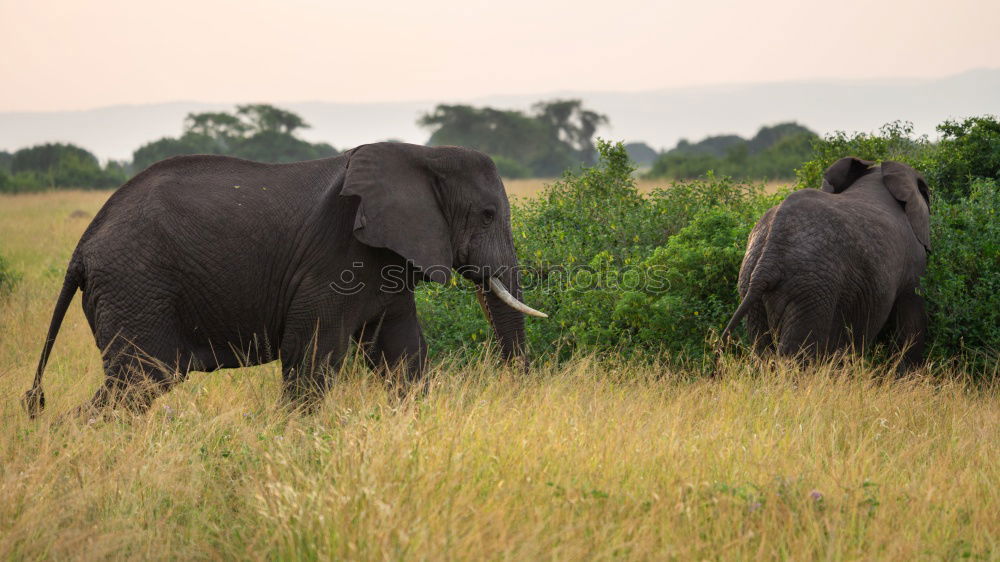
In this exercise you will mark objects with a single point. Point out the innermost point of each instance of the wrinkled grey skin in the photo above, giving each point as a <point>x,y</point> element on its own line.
<point>831,269</point>
<point>208,262</point>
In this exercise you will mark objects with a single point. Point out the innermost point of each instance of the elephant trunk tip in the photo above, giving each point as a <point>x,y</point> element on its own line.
<point>34,401</point>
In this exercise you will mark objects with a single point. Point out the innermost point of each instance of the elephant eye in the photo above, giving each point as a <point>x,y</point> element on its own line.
<point>488,216</point>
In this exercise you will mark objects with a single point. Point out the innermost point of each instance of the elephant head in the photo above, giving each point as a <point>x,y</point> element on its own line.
<point>442,208</point>
<point>902,181</point>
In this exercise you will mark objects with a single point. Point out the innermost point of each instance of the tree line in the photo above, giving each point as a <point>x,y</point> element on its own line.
<point>545,141</point>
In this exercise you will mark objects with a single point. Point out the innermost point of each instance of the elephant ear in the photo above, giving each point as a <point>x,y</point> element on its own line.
<point>910,189</point>
<point>399,206</point>
<point>844,172</point>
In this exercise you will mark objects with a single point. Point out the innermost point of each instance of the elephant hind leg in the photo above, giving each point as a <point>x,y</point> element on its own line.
<point>805,331</point>
<point>134,379</point>
<point>760,333</point>
<point>909,324</point>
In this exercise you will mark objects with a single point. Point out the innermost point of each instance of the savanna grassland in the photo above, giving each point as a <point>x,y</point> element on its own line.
<point>589,458</point>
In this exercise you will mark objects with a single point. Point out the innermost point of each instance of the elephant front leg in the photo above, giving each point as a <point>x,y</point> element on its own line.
<point>309,360</point>
<point>394,346</point>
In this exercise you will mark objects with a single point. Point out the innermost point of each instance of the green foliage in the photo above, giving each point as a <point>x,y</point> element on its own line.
<point>255,132</point>
<point>557,136</point>
<point>894,141</point>
<point>642,275</point>
<point>773,153</point>
<point>55,165</point>
<point>614,269</point>
<point>699,267</point>
<point>967,150</point>
<point>8,277</point>
<point>962,284</point>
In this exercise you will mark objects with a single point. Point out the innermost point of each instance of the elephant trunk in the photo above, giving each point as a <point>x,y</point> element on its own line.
<point>507,320</point>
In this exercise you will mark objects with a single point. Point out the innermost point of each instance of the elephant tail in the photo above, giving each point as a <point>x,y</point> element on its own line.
<point>757,288</point>
<point>34,399</point>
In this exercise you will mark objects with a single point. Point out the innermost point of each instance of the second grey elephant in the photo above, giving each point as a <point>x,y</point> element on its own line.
<point>833,268</point>
<point>207,262</point>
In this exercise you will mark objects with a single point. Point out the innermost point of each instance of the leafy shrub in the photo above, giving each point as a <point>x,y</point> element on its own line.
<point>962,284</point>
<point>615,270</point>
<point>645,275</point>
<point>967,150</point>
<point>699,266</point>
<point>894,141</point>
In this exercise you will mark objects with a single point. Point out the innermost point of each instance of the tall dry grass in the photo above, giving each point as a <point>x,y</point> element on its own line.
<point>590,459</point>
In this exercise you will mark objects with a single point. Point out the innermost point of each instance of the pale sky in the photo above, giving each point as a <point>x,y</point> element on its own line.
<point>62,55</point>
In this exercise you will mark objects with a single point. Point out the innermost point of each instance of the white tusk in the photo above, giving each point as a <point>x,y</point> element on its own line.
<point>510,301</point>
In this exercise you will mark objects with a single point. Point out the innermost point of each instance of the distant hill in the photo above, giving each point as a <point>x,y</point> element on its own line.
<point>773,153</point>
<point>659,118</point>
<point>722,145</point>
<point>641,153</point>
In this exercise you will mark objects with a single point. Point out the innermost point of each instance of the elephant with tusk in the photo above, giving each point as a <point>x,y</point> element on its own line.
<point>207,262</point>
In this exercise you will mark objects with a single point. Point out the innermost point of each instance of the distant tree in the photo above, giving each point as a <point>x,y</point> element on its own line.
<point>256,132</point>
<point>45,157</point>
<point>58,165</point>
<point>558,135</point>
<point>5,160</point>
<point>217,125</point>
<point>716,146</point>
<point>189,143</point>
<point>268,118</point>
<point>572,124</point>
<point>767,137</point>
<point>511,135</point>
<point>272,146</point>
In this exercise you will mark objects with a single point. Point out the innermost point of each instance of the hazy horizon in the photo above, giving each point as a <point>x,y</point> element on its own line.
<point>657,117</point>
<point>543,95</point>
<point>63,56</point>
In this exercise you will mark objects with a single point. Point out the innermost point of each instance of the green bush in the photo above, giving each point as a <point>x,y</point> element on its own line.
<point>699,267</point>
<point>967,150</point>
<point>894,141</point>
<point>615,270</point>
<point>962,284</point>
<point>655,275</point>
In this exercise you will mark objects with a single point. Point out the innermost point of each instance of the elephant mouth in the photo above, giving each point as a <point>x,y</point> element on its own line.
<point>504,295</point>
